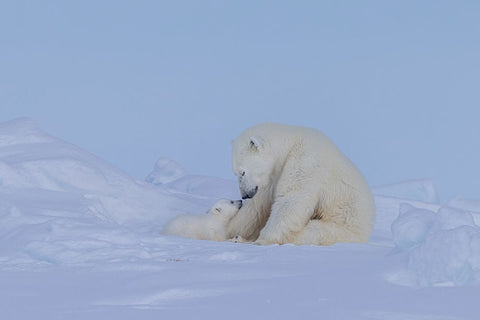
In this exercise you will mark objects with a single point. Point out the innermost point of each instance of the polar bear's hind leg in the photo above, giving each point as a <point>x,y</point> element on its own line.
<point>325,233</point>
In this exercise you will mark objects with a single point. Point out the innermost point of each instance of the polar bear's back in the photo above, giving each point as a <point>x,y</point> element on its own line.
<point>184,226</point>
<point>202,227</point>
<point>351,198</point>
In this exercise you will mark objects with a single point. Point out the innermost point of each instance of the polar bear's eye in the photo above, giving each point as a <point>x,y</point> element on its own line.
<point>218,209</point>
<point>255,143</point>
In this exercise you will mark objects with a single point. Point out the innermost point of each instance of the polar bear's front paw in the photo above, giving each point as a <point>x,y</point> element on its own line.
<point>260,242</point>
<point>267,242</point>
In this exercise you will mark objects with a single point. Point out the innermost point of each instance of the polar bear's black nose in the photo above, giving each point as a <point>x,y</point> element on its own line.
<point>249,194</point>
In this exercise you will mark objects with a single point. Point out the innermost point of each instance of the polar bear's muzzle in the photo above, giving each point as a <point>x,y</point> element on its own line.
<point>248,194</point>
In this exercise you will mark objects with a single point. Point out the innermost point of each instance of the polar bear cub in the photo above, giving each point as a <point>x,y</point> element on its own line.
<point>211,226</point>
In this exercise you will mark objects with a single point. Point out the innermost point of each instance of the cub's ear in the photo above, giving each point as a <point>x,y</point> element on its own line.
<point>255,143</point>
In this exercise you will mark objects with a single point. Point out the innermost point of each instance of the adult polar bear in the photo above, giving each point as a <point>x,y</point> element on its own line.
<point>298,188</point>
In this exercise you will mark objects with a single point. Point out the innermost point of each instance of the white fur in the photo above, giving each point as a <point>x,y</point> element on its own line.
<point>305,191</point>
<point>210,226</point>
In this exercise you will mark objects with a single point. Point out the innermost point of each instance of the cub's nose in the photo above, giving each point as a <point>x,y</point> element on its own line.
<point>238,203</point>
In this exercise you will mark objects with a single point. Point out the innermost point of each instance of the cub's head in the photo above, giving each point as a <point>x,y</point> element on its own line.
<point>253,162</point>
<point>225,208</point>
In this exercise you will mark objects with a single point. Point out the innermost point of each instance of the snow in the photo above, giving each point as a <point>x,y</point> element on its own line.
<point>443,247</point>
<point>165,171</point>
<point>411,227</point>
<point>419,190</point>
<point>80,239</point>
<point>209,187</point>
<point>448,257</point>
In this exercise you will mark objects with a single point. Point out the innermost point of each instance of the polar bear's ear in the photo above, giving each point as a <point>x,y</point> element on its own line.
<point>255,143</point>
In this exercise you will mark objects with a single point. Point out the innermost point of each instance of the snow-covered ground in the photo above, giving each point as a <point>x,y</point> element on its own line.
<point>79,239</point>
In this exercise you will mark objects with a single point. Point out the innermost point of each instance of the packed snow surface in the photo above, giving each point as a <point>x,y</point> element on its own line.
<point>80,239</point>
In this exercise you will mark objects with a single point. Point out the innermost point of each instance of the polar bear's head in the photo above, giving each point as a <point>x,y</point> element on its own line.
<point>253,162</point>
<point>225,208</point>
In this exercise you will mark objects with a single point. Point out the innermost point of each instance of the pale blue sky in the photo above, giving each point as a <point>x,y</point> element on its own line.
<point>395,84</point>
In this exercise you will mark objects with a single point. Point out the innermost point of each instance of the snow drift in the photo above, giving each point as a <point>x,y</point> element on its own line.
<point>443,247</point>
<point>52,192</point>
